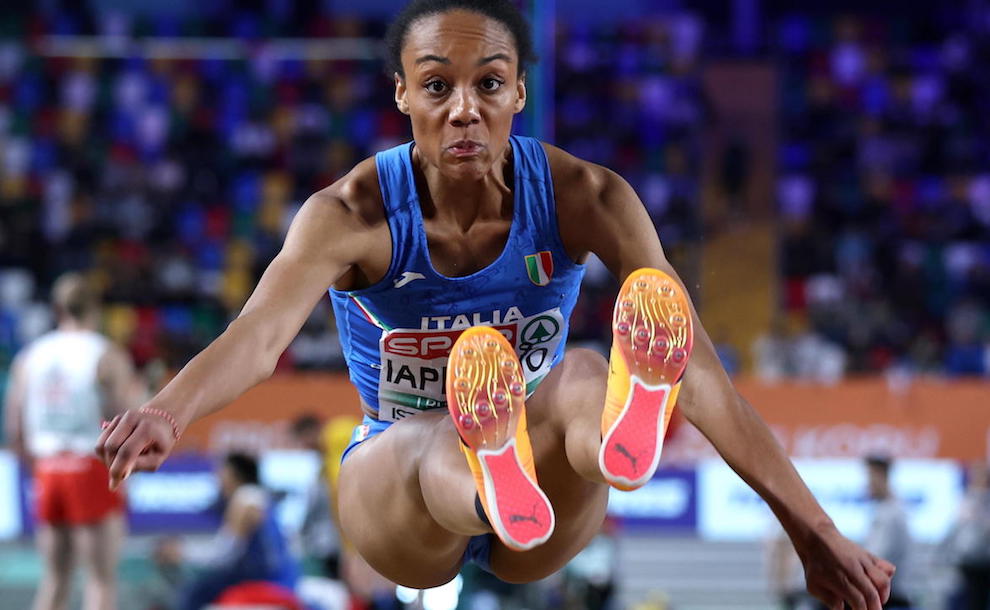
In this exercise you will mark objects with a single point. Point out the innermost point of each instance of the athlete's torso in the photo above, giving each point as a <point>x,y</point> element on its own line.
<point>397,333</point>
<point>63,401</point>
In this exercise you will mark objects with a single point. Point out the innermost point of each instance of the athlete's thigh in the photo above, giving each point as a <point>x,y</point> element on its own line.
<point>382,511</point>
<point>570,397</point>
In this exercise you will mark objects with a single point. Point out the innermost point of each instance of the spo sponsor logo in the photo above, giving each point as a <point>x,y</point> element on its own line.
<point>430,345</point>
<point>414,361</point>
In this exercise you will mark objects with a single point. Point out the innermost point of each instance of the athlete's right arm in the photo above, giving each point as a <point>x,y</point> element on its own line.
<point>325,239</point>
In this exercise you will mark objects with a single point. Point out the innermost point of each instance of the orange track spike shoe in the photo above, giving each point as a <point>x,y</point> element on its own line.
<point>651,343</point>
<point>485,396</point>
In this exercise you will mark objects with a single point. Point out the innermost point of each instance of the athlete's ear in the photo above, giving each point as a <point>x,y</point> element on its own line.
<point>520,93</point>
<point>400,94</point>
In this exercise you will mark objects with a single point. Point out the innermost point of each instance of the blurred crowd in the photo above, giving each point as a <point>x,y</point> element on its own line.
<point>171,172</point>
<point>173,180</point>
<point>884,188</point>
<point>630,98</point>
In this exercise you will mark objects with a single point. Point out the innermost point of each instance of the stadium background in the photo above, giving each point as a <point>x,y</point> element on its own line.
<point>819,177</point>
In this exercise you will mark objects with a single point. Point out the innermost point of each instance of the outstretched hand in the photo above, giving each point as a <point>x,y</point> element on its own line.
<point>842,574</point>
<point>135,440</point>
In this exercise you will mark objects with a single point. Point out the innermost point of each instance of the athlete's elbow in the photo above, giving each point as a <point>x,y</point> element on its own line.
<point>265,369</point>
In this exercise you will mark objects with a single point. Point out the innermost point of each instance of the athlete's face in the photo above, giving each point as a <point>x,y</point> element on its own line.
<point>461,88</point>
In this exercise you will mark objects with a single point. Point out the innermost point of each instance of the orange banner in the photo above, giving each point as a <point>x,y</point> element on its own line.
<point>261,418</point>
<point>923,418</point>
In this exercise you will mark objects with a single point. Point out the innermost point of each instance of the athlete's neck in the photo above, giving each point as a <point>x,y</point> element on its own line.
<point>462,202</point>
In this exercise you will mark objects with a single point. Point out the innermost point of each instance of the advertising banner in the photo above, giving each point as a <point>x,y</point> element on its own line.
<point>929,490</point>
<point>669,501</point>
<point>918,418</point>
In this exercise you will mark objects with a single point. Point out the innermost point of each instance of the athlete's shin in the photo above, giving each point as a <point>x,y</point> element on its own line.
<point>448,486</point>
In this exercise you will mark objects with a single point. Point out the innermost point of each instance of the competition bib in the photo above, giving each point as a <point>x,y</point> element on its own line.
<point>414,360</point>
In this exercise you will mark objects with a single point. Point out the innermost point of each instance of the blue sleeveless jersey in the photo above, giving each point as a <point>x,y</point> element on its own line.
<point>396,334</point>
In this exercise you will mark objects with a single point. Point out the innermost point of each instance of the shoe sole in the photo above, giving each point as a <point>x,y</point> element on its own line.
<point>486,397</point>
<point>651,326</point>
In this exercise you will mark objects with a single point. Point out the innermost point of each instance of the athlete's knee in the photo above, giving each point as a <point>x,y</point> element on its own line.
<point>575,388</point>
<point>586,365</point>
<point>582,382</point>
<point>444,461</point>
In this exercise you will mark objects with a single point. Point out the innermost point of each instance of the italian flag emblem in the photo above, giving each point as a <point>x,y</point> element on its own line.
<point>539,266</point>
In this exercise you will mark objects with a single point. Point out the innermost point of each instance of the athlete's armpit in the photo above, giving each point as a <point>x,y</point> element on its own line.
<point>599,212</point>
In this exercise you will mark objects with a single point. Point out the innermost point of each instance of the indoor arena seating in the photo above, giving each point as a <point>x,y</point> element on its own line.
<point>884,188</point>
<point>173,180</point>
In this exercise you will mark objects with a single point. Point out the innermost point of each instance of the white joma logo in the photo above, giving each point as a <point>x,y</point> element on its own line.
<point>408,276</point>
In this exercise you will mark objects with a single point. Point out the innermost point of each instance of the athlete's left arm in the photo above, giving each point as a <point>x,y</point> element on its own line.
<point>599,212</point>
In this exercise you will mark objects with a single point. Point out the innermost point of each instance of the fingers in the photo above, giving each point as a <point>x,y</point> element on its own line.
<point>871,596</point>
<point>887,567</point>
<point>126,457</point>
<point>850,576</point>
<point>115,434</point>
<point>149,460</point>
<point>857,593</point>
<point>880,577</point>
<point>858,590</point>
<point>108,429</point>
<point>855,598</point>
<point>132,442</point>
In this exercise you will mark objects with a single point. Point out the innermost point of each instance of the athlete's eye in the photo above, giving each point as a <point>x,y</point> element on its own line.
<point>491,84</point>
<point>436,86</point>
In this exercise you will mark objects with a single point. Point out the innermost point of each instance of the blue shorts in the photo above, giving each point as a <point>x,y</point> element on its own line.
<point>366,429</point>
<point>479,548</point>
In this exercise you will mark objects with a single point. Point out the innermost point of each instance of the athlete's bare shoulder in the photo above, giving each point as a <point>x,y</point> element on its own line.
<point>583,193</point>
<point>573,177</point>
<point>358,192</point>
<point>351,210</point>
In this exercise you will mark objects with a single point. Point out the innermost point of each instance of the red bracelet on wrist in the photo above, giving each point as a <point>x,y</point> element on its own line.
<point>166,416</point>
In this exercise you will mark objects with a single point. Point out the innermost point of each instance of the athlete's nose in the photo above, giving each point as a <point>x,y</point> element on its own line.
<point>464,108</point>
